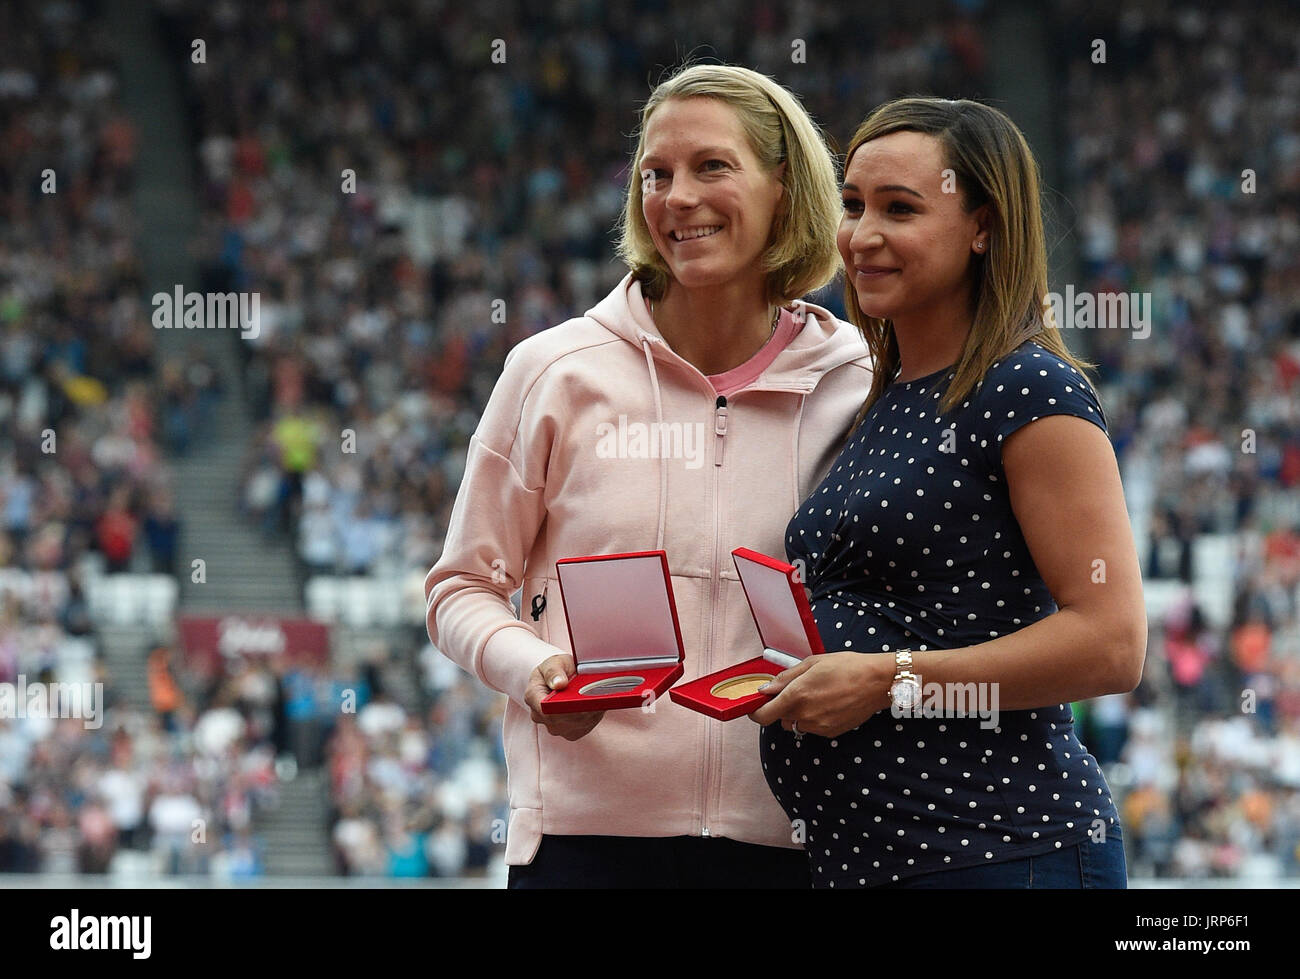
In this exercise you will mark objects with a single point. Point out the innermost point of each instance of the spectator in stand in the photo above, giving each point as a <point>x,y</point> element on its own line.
<point>296,437</point>
<point>357,846</point>
<point>406,851</point>
<point>75,614</point>
<point>307,700</point>
<point>1251,646</point>
<point>381,718</point>
<point>174,816</point>
<point>279,710</point>
<point>116,532</point>
<point>123,788</point>
<point>164,694</point>
<point>244,856</point>
<point>1189,647</point>
<point>162,532</point>
<point>318,538</point>
<point>98,838</point>
<point>448,849</point>
<point>362,539</point>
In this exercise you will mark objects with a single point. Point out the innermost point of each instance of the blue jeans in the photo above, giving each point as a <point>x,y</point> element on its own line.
<point>1085,865</point>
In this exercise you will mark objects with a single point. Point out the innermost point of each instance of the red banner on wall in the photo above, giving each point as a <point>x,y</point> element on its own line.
<point>211,641</point>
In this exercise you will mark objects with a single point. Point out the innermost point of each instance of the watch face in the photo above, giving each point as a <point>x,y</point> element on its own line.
<point>906,694</point>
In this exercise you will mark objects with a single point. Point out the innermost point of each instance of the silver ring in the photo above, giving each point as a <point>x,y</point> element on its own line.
<point>794,729</point>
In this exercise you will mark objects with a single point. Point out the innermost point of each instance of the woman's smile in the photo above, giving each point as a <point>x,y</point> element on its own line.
<point>870,274</point>
<point>684,236</point>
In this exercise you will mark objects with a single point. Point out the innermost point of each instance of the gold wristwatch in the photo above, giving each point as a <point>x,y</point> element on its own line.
<point>905,691</point>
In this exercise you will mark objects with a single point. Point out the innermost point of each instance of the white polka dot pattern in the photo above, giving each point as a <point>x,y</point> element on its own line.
<point>910,542</point>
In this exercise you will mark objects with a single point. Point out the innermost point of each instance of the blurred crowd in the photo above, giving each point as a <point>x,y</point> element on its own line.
<point>81,450</point>
<point>89,412</point>
<point>176,787</point>
<point>419,792</point>
<point>408,210</point>
<point>1182,155</point>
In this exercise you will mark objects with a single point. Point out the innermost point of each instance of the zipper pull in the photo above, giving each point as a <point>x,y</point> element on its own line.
<point>719,427</point>
<point>539,605</point>
<point>705,832</point>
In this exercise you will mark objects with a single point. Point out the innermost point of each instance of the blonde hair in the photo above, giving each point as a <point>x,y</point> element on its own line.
<point>801,256</point>
<point>992,165</point>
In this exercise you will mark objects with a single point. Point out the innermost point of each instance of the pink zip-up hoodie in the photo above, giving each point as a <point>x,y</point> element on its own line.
<point>563,465</point>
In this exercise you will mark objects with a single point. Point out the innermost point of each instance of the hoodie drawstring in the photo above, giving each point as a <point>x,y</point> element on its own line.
<point>659,418</point>
<point>794,454</point>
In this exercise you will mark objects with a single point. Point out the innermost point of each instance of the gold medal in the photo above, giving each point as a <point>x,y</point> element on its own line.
<point>733,688</point>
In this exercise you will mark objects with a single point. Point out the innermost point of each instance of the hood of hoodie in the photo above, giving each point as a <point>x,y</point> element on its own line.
<point>823,343</point>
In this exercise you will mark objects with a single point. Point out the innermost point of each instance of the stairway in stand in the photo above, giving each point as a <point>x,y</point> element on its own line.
<point>244,573</point>
<point>292,834</point>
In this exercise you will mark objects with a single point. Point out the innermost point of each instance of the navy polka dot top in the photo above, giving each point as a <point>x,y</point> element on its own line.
<point>910,542</point>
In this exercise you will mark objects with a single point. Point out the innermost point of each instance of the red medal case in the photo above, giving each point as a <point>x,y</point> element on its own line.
<point>785,625</point>
<point>623,630</point>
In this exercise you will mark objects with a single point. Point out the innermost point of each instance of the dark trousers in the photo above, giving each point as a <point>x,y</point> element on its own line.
<point>660,862</point>
<point>1082,866</point>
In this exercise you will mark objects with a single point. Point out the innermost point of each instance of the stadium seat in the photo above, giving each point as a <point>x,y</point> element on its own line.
<point>323,598</point>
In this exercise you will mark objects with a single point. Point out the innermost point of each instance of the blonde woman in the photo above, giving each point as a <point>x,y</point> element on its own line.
<point>730,218</point>
<point>969,553</point>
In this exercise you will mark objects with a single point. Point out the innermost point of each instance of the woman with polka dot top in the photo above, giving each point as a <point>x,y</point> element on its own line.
<point>968,555</point>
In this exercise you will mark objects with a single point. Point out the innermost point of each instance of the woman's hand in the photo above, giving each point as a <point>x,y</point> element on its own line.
<point>553,673</point>
<point>829,693</point>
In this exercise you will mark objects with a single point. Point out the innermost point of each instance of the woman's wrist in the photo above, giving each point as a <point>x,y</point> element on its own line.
<point>878,677</point>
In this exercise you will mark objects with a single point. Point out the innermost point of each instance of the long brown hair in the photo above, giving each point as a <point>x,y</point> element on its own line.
<point>992,165</point>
